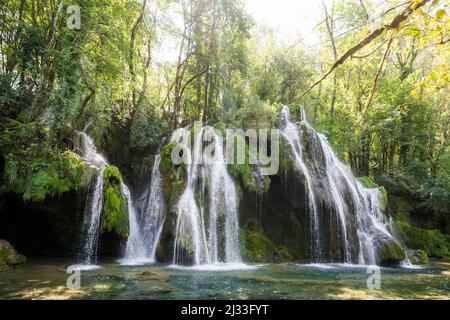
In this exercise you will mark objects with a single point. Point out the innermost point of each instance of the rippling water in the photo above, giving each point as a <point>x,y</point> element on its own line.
<point>46,279</point>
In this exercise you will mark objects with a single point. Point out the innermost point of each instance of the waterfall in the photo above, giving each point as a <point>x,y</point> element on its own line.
<point>290,132</point>
<point>135,249</point>
<point>142,243</point>
<point>95,205</point>
<point>327,179</point>
<point>207,225</point>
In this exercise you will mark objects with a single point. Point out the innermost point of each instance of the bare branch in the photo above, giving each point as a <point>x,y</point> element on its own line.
<point>375,81</point>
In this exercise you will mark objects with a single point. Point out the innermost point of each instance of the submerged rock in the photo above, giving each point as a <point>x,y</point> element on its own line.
<point>9,257</point>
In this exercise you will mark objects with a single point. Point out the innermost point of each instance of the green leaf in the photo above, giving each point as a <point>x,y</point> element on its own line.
<point>440,13</point>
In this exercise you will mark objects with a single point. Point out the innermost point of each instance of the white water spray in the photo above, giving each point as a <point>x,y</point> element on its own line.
<point>209,234</point>
<point>349,199</point>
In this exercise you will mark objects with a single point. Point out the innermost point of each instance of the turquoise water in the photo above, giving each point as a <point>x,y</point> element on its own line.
<point>46,279</point>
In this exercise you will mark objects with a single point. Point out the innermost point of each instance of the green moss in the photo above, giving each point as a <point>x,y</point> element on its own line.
<point>420,257</point>
<point>46,174</point>
<point>432,242</point>
<point>391,253</point>
<point>368,182</point>
<point>285,158</point>
<point>9,257</point>
<point>221,127</point>
<point>35,168</point>
<point>115,216</point>
<point>174,175</point>
<point>255,246</point>
<point>384,195</point>
<point>249,175</point>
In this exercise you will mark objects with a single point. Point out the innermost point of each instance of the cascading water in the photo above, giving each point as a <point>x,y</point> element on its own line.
<point>94,208</point>
<point>290,132</point>
<point>207,225</point>
<point>135,248</point>
<point>141,246</point>
<point>328,180</point>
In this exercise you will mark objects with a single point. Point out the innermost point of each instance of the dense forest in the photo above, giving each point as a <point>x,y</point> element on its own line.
<point>129,72</point>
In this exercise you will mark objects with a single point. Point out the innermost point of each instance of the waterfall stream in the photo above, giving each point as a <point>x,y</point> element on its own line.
<point>328,180</point>
<point>135,248</point>
<point>291,133</point>
<point>146,231</point>
<point>95,204</point>
<point>207,225</point>
<point>207,222</point>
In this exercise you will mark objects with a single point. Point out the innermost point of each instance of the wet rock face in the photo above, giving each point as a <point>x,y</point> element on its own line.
<point>48,228</point>
<point>9,257</point>
<point>316,207</point>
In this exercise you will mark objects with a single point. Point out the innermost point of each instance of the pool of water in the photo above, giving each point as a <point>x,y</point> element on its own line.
<point>47,279</point>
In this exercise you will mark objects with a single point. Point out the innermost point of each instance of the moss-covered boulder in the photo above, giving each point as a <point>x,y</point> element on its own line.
<point>9,257</point>
<point>115,207</point>
<point>432,242</point>
<point>391,253</point>
<point>174,176</point>
<point>418,257</point>
<point>256,247</point>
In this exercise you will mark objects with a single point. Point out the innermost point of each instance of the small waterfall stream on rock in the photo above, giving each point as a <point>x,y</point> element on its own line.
<point>95,204</point>
<point>135,248</point>
<point>328,180</point>
<point>291,133</point>
<point>145,232</point>
<point>207,225</point>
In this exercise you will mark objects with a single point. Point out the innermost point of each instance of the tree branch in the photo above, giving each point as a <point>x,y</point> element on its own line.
<point>192,79</point>
<point>395,23</point>
<point>375,81</point>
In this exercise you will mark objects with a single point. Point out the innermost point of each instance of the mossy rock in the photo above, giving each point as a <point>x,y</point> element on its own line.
<point>174,176</point>
<point>367,182</point>
<point>115,215</point>
<point>9,257</point>
<point>256,247</point>
<point>432,242</point>
<point>286,158</point>
<point>37,169</point>
<point>221,127</point>
<point>418,257</point>
<point>392,253</point>
<point>251,175</point>
<point>384,195</point>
